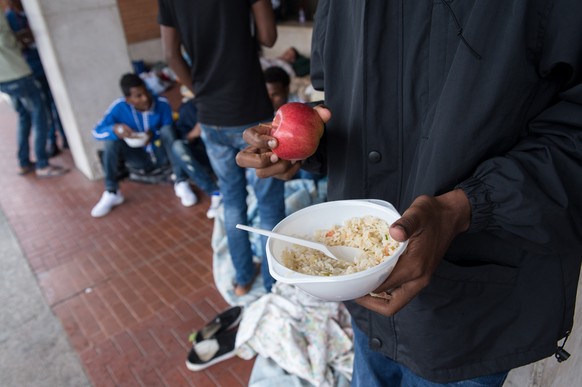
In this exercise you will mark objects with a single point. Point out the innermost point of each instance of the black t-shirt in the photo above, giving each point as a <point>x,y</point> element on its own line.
<point>227,77</point>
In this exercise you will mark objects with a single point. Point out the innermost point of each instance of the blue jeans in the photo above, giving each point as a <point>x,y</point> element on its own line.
<point>136,158</point>
<point>28,101</point>
<point>222,145</point>
<point>54,119</point>
<point>184,164</point>
<point>371,369</point>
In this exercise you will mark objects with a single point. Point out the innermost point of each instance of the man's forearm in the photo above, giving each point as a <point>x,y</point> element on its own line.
<point>182,71</point>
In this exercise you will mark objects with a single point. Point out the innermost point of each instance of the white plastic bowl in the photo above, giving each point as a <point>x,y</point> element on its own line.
<point>137,140</point>
<point>322,216</point>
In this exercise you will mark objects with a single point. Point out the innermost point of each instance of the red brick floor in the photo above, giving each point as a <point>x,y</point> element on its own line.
<point>129,287</point>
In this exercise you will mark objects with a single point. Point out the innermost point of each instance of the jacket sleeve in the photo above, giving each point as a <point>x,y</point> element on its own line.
<point>318,45</point>
<point>166,118</point>
<point>318,162</point>
<point>11,18</point>
<point>533,192</point>
<point>104,130</point>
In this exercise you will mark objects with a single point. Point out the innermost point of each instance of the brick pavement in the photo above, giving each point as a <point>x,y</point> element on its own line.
<point>127,288</point>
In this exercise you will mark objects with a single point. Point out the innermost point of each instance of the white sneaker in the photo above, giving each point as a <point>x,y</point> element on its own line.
<point>215,202</point>
<point>184,192</point>
<point>106,203</point>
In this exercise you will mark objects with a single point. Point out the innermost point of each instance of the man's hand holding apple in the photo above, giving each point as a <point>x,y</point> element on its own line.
<point>263,141</point>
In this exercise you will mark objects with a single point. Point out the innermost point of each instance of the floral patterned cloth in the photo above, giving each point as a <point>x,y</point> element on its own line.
<point>305,336</point>
<point>299,193</point>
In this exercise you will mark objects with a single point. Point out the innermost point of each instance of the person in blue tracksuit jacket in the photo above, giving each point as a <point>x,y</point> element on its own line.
<point>137,112</point>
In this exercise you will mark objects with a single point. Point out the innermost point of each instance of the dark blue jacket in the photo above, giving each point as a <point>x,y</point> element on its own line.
<point>427,96</point>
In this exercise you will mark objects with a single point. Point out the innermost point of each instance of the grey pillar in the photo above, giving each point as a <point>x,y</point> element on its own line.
<point>84,53</point>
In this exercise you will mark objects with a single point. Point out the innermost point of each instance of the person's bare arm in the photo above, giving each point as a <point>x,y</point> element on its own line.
<point>265,22</point>
<point>194,133</point>
<point>171,45</point>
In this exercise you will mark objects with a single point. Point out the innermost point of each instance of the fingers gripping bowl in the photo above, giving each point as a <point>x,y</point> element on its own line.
<point>137,139</point>
<point>311,220</point>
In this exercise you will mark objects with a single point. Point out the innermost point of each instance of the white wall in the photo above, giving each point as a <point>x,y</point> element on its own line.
<point>291,35</point>
<point>150,51</point>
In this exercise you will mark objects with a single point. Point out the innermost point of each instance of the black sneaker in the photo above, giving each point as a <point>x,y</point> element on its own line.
<point>222,322</point>
<point>211,351</point>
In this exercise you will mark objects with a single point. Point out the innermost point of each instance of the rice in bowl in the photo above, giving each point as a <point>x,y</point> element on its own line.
<point>368,233</point>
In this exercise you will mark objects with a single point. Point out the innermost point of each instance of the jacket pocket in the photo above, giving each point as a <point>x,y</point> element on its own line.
<point>476,272</point>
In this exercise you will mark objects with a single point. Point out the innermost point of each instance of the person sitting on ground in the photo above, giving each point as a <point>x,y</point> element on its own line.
<point>17,80</point>
<point>188,155</point>
<point>277,81</point>
<point>137,112</point>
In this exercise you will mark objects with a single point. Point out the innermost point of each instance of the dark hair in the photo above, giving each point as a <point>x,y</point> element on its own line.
<point>128,81</point>
<point>276,74</point>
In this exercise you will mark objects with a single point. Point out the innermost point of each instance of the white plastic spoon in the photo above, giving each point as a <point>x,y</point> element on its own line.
<point>340,253</point>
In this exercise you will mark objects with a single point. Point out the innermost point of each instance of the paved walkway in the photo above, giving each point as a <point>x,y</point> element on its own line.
<point>126,289</point>
<point>34,349</point>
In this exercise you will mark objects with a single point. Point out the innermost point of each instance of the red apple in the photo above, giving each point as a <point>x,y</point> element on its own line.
<point>298,128</point>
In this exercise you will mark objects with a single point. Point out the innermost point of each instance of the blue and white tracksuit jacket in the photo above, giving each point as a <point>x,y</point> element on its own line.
<point>120,112</point>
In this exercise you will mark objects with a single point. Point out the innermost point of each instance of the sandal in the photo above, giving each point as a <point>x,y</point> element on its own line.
<point>211,351</point>
<point>222,322</point>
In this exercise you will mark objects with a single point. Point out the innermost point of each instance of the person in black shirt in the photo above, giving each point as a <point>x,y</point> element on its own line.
<point>225,76</point>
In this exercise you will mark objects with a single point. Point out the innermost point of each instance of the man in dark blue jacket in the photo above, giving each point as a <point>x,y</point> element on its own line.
<point>467,116</point>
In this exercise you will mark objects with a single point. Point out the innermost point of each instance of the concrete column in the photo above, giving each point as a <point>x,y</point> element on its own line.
<point>84,52</point>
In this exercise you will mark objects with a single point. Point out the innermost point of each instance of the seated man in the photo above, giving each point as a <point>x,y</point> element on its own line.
<point>138,112</point>
<point>188,154</point>
<point>277,81</point>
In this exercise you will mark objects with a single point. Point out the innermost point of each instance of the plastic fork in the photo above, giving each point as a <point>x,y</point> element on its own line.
<point>340,253</point>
